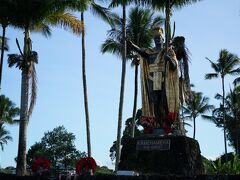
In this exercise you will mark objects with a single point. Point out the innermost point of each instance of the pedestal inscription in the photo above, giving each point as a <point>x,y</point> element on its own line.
<point>162,155</point>
<point>149,145</point>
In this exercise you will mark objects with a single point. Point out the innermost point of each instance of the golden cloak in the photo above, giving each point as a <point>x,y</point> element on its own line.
<point>171,83</point>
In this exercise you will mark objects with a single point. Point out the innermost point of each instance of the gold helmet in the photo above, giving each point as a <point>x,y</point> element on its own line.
<point>158,31</point>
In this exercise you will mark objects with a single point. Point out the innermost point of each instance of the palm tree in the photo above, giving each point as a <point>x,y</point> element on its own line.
<point>225,65</point>
<point>233,104</point>
<point>4,137</point>
<point>232,114</point>
<point>8,111</point>
<point>236,82</point>
<point>4,18</point>
<point>45,12</point>
<point>104,14</point>
<point>4,47</point>
<point>197,105</point>
<point>115,3</point>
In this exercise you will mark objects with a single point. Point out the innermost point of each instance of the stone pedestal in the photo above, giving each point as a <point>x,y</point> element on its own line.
<point>162,155</point>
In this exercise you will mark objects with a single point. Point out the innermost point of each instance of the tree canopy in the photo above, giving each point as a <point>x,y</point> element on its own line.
<point>57,146</point>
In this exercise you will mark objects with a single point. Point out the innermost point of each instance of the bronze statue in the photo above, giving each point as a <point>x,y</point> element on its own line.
<point>159,84</point>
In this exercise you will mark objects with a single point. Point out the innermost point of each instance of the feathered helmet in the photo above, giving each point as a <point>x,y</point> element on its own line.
<point>157,31</point>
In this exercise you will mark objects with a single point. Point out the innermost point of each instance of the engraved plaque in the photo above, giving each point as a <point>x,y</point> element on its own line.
<point>149,145</point>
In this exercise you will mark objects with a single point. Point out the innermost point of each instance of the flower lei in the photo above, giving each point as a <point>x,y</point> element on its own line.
<point>40,163</point>
<point>148,122</point>
<point>86,164</point>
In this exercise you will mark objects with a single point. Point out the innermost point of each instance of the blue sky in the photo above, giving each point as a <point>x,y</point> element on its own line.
<point>208,27</point>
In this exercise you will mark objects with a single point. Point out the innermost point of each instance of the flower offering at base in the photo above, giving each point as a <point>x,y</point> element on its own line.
<point>40,165</point>
<point>148,122</point>
<point>86,165</point>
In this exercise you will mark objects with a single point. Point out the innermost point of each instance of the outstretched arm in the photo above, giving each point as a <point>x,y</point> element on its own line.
<point>137,49</point>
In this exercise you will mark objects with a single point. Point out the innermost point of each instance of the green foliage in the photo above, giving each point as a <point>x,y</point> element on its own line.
<point>8,110</point>
<point>8,170</point>
<point>155,4</point>
<point>138,30</point>
<point>104,170</point>
<point>196,106</point>
<point>208,166</point>
<point>36,150</point>
<point>232,116</point>
<point>57,146</point>
<point>4,137</point>
<point>220,166</point>
<point>230,167</point>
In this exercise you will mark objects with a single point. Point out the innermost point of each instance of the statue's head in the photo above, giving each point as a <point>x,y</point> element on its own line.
<point>158,36</point>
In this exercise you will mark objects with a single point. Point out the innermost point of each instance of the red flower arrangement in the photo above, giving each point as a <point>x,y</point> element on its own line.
<point>168,121</point>
<point>170,117</point>
<point>148,121</point>
<point>86,164</point>
<point>40,164</point>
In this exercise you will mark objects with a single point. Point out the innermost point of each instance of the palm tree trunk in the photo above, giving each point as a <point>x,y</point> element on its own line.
<point>224,119</point>
<point>119,129</point>
<point>22,144</point>
<point>85,88</point>
<point>2,54</point>
<point>237,134</point>
<point>194,127</point>
<point>135,100</point>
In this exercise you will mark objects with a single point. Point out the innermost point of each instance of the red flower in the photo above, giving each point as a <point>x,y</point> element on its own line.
<point>40,163</point>
<point>87,163</point>
<point>167,129</point>
<point>148,121</point>
<point>170,117</point>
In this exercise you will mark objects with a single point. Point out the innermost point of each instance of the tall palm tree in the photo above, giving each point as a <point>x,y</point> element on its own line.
<point>104,14</point>
<point>232,111</point>
<point>233,103</point>
<point>8,111</point>
<point>4,20</point>
<point>197,105</point>
<point>34,15</point>
<point>4,137</point>
<point>4,47</point>
<point>225,65</point>
<point>123,3</point>
<point>122,88</point>
<point>232,116</point>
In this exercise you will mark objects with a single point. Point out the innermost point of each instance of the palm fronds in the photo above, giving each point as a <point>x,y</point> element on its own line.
<point>8,110</point>
<point>4,137</point>
<point>65,20</point>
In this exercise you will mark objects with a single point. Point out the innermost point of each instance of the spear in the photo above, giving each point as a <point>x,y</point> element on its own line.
<point>167,24</point>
